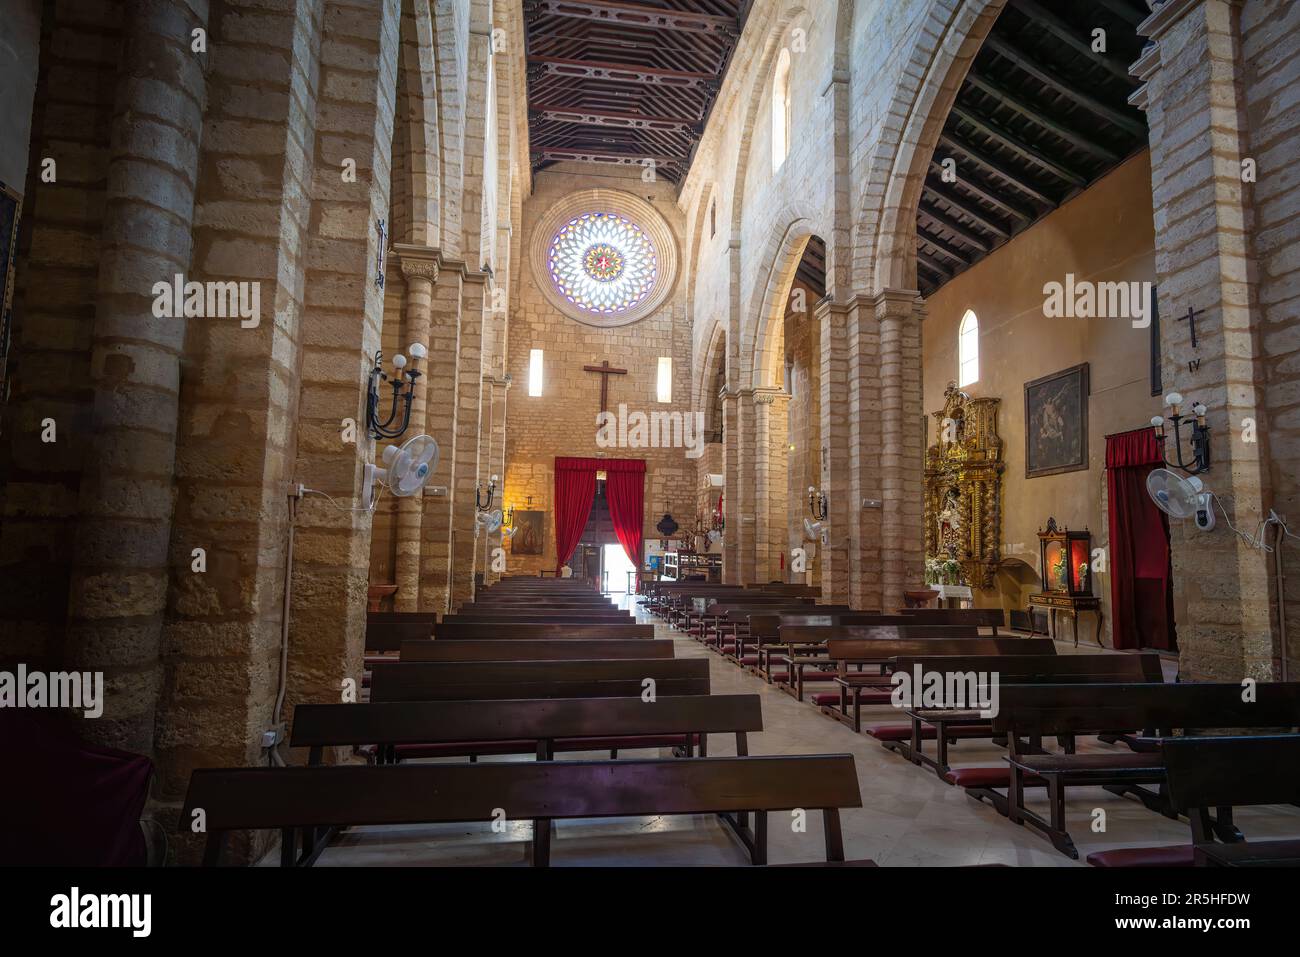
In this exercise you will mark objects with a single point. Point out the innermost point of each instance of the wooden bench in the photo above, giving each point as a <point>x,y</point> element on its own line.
<point>427,729</point>
<point>464,681</point>
<point>856,688</point>
<point>519,631</point>
<point>1231,772</point>
<point>803,647</point>
<point>531,649</point>
<point>1029,713</point>
<point>949,722</point>
<point>311,798</point>
<point>993,618</point>
<point>540,614</point>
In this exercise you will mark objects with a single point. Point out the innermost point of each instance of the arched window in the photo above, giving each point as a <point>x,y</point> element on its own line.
<point>968,350</point>
<point>781,109</point>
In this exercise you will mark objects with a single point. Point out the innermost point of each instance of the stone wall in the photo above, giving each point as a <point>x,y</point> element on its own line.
<point>562,421</point>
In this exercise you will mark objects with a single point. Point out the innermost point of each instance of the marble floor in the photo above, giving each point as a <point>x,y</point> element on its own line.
<point>909,816</point>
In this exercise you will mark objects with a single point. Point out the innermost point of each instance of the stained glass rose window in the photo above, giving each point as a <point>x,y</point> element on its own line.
<point>602,263</point>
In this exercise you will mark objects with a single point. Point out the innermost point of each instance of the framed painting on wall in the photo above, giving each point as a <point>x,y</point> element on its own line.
<point>1056,422</point>
<point>530,533</point>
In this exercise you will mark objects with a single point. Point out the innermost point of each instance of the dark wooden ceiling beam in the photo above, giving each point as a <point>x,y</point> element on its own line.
<point>976,190</point>
<point>607,118</point>
<point>983,160</point>
<point>970,210</point>
<point>1039,117</point>
<point>1093,105</point>
<point>623,73</point>
<point>966,234</point>
<point>561,155</point>
<point>1018,146</point>
<point>635,15</point>
<point>950,252</point>
<point>1067,34</point>
<point>924,259</point>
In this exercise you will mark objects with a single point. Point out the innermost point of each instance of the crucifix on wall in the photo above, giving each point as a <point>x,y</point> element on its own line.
<point>605,371</point>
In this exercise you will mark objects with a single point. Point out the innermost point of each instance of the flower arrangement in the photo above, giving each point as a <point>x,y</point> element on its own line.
<point>942,571</point>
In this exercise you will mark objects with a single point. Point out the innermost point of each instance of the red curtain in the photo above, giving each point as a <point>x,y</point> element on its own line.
<point>1142,603</point>
<point>625,492</point>
<point>575,490</point>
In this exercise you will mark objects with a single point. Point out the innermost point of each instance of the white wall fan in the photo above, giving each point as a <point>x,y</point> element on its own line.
<point>815,531</point>
<point>407,468</point>
<point>1181,498</point>
<point>490,520</point>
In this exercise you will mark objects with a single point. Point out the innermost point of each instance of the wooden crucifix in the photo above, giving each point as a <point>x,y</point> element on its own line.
<point>605,371</point>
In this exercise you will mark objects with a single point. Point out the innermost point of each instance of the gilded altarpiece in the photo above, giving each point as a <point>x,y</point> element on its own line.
<point>963,487</point>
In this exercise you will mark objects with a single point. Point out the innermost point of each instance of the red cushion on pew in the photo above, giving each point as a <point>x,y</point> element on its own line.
<point>749,660</point>
<point>897,732</point>
<point>781,676</point>
<point>1180,855</point>
<point>998,777</point>
<point>727,648</point>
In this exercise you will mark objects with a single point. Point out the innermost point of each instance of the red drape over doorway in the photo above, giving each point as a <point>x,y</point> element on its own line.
<point>1142,603</point>
<point>575,489</point>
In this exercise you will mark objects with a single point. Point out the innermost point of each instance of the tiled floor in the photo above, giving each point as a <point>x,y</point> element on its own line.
<point>909,816</point>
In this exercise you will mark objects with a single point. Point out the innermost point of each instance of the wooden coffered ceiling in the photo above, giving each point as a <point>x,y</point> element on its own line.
<point>1039,118</point>
<point>625,82</point>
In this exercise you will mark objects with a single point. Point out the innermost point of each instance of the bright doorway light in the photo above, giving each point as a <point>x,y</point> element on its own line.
<point>618,570</point>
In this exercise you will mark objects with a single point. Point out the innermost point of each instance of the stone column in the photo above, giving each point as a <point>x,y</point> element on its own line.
<point>731,488</point>
<point>770,408</point>
<point>899,452</point>
<point>469,459</point>
<point>494,430</point>
<point>835,477</point>
<point>440,422</point>
<point>120,572</point>
<point>860,529</point>
<point>419,265</point>
<point>1204,260</point>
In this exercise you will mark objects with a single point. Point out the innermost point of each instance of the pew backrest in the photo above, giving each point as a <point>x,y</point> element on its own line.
<point>1029,710</point>
<point>1209,772</point>
<point>847,651</point>
<point>437,722</point>
<point>513,630</point>
<point>532,649</point>
<point>463,681</point>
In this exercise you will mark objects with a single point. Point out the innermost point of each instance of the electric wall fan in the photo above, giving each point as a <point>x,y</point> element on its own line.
<point>406,467</point>
<point>489,520</point>
<point>814,531</point>
<point>1180,497</point>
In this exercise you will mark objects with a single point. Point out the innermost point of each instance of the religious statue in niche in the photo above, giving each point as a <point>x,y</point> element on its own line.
<point>963,492</point>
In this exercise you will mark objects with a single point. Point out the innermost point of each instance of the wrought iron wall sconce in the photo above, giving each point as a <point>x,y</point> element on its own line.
<point>1199,437</point>
<point>403,381</point>
<point>817,504</point>
<point>479,502</point>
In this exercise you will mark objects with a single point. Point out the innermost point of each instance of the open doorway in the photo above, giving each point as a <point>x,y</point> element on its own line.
<point>616,571</point>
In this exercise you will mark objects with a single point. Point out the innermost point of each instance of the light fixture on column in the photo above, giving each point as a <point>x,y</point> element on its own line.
<point>1199,438</point>
<point>403,381</point>
<point>817,504</point>
<point>481,503</point>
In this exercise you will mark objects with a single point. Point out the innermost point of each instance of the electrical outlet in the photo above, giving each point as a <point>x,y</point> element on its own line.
<point>436,490</point>
<point>872,503</point>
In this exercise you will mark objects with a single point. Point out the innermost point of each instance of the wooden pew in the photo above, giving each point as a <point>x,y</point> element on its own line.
<point>540,612</point>
<point>532,649</point>
<point>1030,713</point>
<point>733,614</point>
<point>513,630</point>
<point>401,617</point>
<point>950,722</point>
<point>802,647</point>
<point>524,726</point>
<point>293,799</point>
<point>979,617</point>
<point>764,628</point>
<point>859,688</point>
<point>464,681</point>
<point>1230,772</point>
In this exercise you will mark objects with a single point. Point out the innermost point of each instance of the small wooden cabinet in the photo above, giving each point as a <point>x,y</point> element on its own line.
<point>1065,568</point>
